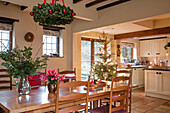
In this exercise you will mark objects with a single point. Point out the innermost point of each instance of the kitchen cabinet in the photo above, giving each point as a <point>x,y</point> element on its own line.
<point>144,48</point>
<point>138,76</point>
<point>153,48</point>
<point>157,84</point>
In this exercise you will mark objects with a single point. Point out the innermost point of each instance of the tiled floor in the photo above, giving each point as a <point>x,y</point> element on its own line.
<point>142,104</point>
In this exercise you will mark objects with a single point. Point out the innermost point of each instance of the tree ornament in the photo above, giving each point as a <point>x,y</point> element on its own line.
<point>31,13</point>
<point>100,49</point>
<point>39,6</point>
<point>104,47</point>
<point>109,57</point>
<point>64,11</point>
<point>99,40</point>
<point>50,11</point>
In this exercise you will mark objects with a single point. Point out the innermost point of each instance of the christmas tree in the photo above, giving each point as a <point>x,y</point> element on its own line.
<point>105,67</point>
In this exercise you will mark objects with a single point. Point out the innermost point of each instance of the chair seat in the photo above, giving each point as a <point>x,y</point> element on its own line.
<point>112,97</point>
<point>105,109</point>
<point>70,76</point>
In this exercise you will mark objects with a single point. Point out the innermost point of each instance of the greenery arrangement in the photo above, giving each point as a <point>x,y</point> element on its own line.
<point>167,45</point>
<point>19,63</point>
<point>104,68</point>
<point>52,76</point>
<point>52,14</point>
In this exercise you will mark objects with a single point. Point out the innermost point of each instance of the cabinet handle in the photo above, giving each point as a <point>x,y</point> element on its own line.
<point>157,73</point>
<point>157,53</point>
<point>160,73</point>
<point>148,53</point>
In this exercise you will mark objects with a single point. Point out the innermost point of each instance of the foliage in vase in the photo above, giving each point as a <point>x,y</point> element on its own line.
<point>52,76</point>
<point>19,63</point>
<point>105,67</point>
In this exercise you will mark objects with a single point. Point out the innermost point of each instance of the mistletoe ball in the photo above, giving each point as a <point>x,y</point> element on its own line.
<point>64,11</point>
<point>50,14</point>
<point>39,6</point>
<point>31,13</point>
<point>50,11</point>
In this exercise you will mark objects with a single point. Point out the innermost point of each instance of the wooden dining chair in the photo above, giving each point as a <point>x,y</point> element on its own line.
<point>65,72</point>
<point>72,97</point>
<point>122,93</point>
<point>5,80</point>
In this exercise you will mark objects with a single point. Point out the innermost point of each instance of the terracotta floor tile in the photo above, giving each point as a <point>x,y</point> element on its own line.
<point>160,110</point>
<point>152,111</point>
<point>164,107</point>
<point>134,111</point>
<point>168,112</point>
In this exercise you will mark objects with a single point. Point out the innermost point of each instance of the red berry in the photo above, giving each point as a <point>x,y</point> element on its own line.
<point>39,6</point>
<point>73,14</point>
<point>50,11</point>
<point>31,13</point>
<point>64,10</point>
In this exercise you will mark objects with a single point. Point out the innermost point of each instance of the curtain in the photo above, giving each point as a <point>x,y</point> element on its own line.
<point>4,26</point>
<point>51,33</point>
<point>127,44</point>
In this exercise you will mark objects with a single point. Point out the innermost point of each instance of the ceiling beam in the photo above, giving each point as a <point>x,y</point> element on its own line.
<point>94,3</point>
<point>145,33</point>
<point>23,8</point>
<point>76,1</point>
<point>111,4</point>
<point>6,3</point>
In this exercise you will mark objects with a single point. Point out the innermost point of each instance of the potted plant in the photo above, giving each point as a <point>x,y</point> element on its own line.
<point>20,64</point>
<point>51,78</point>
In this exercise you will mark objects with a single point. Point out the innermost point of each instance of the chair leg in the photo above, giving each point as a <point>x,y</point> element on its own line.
<point>130,101</point>
<point>91,105</point>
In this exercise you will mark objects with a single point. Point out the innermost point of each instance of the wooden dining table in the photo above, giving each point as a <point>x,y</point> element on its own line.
<point>40,100</point>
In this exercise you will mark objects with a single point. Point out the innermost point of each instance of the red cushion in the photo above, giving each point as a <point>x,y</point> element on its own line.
<point>35,82</point>
<point>35,77</point>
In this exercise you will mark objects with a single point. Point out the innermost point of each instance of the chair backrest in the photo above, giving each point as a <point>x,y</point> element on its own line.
<point>5,81</point>
<point>73,96</point>
<point>122,91</point>
<point>68,72</point>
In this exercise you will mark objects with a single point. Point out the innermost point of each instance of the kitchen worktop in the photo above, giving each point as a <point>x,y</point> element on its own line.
<point>158,68</point>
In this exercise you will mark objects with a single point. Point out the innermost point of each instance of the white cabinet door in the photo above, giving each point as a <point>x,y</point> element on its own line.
<point>154,47</point>
<point>165,82</point>
<point>151,79</point>
<point>144,48</point>
<point>161,44</point>
<point>140,72</point>
<point>134,76</point>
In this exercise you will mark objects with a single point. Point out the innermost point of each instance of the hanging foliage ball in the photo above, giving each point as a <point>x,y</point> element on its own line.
<point>64,11</point>
<point>73,14</point>
<point>39,6</point>
<point>50,11</point>
<point>31,13</point>
<point>52,14</point>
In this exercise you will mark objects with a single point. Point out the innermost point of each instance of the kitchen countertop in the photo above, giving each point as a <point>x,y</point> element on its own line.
<point>158,68</point>
<point>149,67</point>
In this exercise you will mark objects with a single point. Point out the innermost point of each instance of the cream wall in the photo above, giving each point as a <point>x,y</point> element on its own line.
<point>26,24</point>
<point>77,48</point>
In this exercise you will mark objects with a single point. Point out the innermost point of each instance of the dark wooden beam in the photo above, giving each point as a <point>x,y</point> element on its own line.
<point>6,3</point>
<point>53,28</point>
<point>111,4</point>
<point>8,20</point>
<point>23,8</point>
<point>145,33</point>
<point>94,3</point>
<point>76,1</point>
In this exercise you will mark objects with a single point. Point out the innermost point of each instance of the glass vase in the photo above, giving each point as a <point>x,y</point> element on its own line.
<point>24,86</point>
